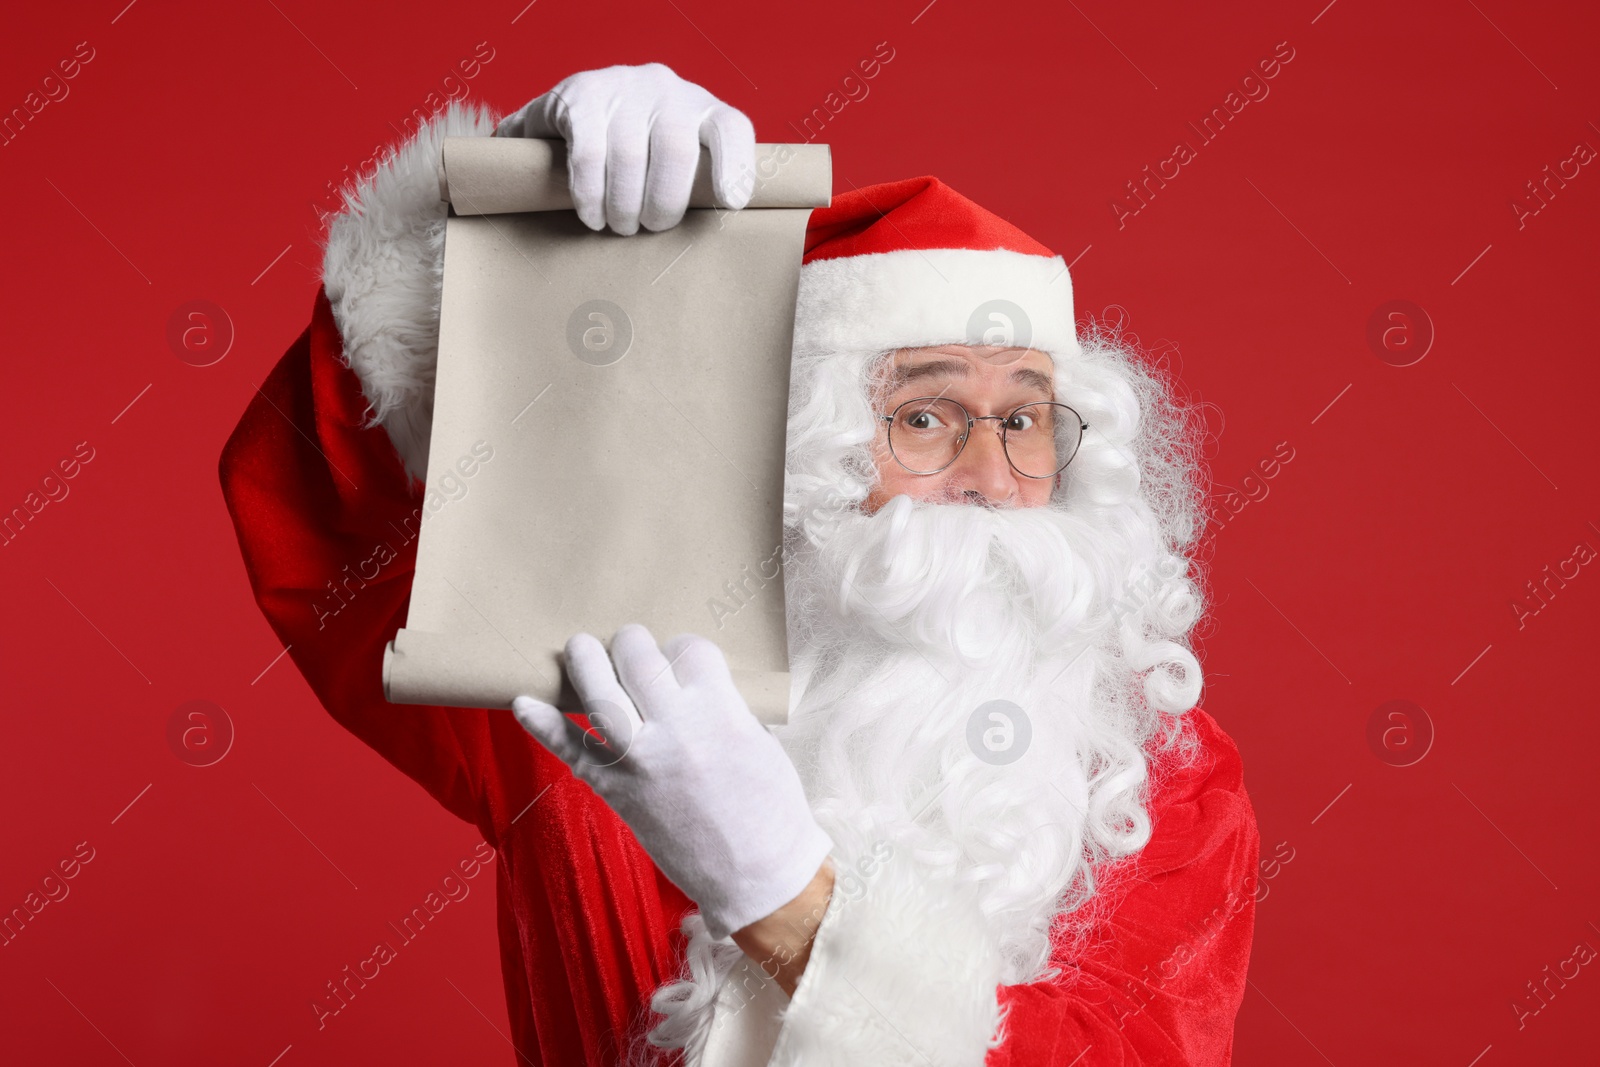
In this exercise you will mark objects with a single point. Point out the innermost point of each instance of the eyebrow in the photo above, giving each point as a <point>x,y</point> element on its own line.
<point>956,368</point>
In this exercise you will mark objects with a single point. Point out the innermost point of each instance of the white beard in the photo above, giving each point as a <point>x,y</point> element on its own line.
<point>903,625</point>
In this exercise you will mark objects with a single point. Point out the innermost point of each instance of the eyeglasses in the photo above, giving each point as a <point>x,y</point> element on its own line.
<point>927,434</point>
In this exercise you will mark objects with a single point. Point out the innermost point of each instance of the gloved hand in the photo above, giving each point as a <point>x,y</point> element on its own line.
<point>633,141</point>
<point>706,789</point>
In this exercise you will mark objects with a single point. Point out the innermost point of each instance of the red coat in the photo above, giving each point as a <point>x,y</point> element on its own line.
<point>588,924</point>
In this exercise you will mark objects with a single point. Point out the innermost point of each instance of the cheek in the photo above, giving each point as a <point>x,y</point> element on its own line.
<point>894,480</point>
<point>888,471</point>
<point>1036,491</point>
<point>890,483</point>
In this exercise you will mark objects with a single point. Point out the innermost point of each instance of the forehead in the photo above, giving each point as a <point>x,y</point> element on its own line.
<point>976,362</point>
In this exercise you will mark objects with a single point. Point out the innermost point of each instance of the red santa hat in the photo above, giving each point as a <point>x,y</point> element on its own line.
<point>914,263</point>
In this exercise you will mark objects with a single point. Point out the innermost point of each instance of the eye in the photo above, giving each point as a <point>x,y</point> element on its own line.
<point>924,419</point>
<point>1020,422</point>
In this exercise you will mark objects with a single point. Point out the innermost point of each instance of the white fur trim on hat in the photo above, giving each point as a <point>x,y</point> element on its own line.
<point>939,296</point>
<point>383,268</point>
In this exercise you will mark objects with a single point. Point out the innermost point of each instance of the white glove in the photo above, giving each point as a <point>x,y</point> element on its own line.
<point>706,789</point>
<point>633,141</point>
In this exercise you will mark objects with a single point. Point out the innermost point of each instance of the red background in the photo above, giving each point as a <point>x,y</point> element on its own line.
<point>1382,563</point>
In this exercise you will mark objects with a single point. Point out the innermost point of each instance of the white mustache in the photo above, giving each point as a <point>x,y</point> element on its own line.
<point>957,580</point>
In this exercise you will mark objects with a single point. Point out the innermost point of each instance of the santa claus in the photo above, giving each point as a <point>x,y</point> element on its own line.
<point>997,827</point>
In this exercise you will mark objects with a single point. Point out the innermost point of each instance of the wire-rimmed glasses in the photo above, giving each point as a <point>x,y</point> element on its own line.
<point>928,434</point>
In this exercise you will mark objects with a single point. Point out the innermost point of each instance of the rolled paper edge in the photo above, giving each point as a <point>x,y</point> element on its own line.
<point>505,175</point>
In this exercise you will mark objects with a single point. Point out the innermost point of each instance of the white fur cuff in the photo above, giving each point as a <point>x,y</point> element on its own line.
<point>902,972</point>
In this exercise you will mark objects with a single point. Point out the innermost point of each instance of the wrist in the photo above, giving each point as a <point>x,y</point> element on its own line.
<point>780,943</point>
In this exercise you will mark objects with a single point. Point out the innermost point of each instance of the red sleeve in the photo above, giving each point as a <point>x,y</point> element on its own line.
<point>327,524</point>
<point>1159,976</point>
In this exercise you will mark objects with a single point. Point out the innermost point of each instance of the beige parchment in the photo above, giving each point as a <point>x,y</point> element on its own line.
<point>630,394</point>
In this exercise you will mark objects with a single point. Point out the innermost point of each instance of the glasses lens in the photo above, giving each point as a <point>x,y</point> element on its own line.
<point>926,434</point>
<point>1041,439</point>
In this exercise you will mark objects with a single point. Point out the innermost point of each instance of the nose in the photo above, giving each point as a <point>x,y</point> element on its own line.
<point>982,468</point>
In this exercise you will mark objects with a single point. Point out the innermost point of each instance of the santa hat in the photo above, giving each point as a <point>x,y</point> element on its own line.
<point>914,263</point>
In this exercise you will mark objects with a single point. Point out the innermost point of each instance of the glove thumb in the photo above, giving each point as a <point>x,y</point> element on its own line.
<point>549,727</point>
